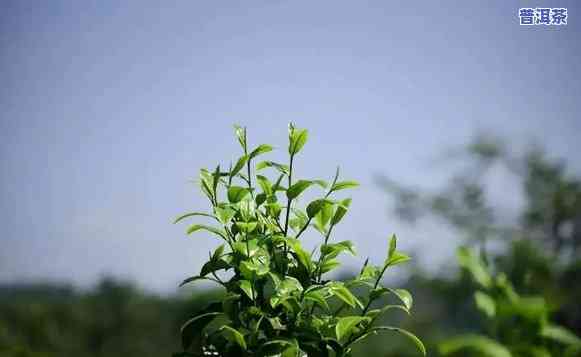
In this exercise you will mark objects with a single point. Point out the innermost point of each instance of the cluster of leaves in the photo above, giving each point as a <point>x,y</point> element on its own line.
<point>277,301</point>
<point>518,325</point>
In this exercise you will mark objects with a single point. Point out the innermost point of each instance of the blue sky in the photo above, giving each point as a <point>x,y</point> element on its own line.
<point>108,109</point>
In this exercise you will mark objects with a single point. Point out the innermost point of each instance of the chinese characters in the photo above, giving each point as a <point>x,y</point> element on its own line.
<point>543,16</point>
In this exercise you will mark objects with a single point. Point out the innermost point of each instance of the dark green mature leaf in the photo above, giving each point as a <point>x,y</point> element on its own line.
<point>483,345</point>
<point>264,148</point>
<point>276,347</point>
<point>296,189</point>
<point>239,165</point>
<point>316,206</point>
<point>345,326</point>
<point>234,335</point>
<point>194,327</point>
<point>297,138</point>
<point>193,214</point>
<point>237,193</point>
<point>341,211</point>
<point>344,185</point>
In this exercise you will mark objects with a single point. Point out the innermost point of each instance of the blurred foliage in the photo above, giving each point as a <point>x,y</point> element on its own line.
<point>536,254</point>
<point>113,319</point>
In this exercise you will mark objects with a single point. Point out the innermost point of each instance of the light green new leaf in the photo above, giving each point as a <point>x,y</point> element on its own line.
<point>392,246</point>
<point>341,211</point>
<point>224,214</point>
<point>233,335</point>
<point>317,297</point>
<point>345,326</point>
<point>298,138</point>
<point>237,193</point>
<point>560,334</point>
<point>344,185</point>
<point>328,265</point>
<point>296,189</point>
<point>485,303</point>
<point>471,262</point>
<point>404,296</point>
<point>264,148</point>
<point>241,135</point>
<point>246,286</point>
<point>397,258</point>
<point>264,184</point>
<point>344,294</point>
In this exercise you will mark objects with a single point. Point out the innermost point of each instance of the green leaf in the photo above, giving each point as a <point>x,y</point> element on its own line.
<point>264,148</point>
<point>345,326</point>
<point>404,296</point>
<point>241,135</point>
<point>344,185</point>
<point>233,335</point>
<point>471,262</point>
<point>297,138</point>
<point>406,333</point>
<point>333,250</point>
<point>392,246</point>
<point>237,193</point>
<point>239,165</point>
<point>196,227</point>
<point>397,258</point>
<point>340,291</point>
<point>191,215</point>
<point>264,184</point>
<point>322,183</point>
<point>341,211</point>
<point>483,345</point>
<point>213,266</point>
<point>246,286</point>
<point>194,326</point>
<point>560,334</point>
<point>485,303</point>
<point>224,214</point>
<point>328,265</point>
<point>284,169</point>
<point>316,206</point>
<point>296,189</point>
<point>370,272</point>
<point>303,256</point>
<point>324,216</point>
<point>317,297</point>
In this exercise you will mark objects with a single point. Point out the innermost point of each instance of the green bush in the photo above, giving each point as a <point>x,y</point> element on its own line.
<point>277,301</point>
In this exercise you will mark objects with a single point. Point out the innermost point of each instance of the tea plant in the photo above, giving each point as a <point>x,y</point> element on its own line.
<point>277,300</point>
<point>518,325</point>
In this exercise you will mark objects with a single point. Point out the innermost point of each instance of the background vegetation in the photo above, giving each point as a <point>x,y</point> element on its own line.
<point>538,252</point>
